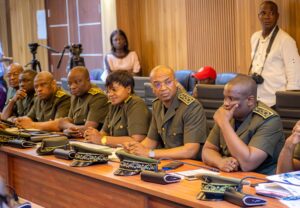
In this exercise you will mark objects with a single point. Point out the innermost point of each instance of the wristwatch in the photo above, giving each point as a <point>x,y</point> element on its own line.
<point>103,140</point>
<point>151,154</point>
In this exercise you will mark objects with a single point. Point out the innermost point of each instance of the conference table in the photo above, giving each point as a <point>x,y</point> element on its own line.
<point>51,182</point>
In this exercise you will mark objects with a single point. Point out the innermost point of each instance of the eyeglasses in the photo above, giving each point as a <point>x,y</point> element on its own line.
<point>13,74</point>
<point>158,85</point>
<point>265,13</point>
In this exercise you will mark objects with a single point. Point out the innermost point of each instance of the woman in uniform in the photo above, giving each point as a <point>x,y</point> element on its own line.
<point>128,117</point>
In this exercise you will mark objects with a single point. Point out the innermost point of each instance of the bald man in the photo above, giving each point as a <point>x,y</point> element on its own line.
<point>247,134</point>
<point>178,122</point>
<point>51,102</point>
<point>12,75</point>
<point>89,106</point>
<point>23,100</point>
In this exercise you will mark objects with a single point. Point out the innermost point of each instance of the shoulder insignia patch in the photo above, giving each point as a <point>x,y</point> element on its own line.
<point>186,98</point>
<point>154,100</point>
<point>94,90</point>
<point>129,98</point>
<point>60,93</point>
<point>263,112</point>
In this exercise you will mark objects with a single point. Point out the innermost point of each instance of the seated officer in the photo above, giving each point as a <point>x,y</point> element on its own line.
<point>178,121</point>
<point>247,134</point>
<point>51,102</point>
<point>21,103</point>
<point>89,106</point>
<point>12,75</point>
<point>128,117</point>
<point>289,158</point>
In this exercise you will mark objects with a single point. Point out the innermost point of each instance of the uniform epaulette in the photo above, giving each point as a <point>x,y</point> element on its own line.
<point>129,98</point>
<point>94,90</point>
<point>186,98</point>
<point>154,100</point>
<point>60,93</point>
<point>263,112</point>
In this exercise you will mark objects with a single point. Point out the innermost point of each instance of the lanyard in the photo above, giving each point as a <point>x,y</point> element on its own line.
<point>267,52</point>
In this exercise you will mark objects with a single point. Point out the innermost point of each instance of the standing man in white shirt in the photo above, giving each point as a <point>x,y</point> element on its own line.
<point>275,56</point>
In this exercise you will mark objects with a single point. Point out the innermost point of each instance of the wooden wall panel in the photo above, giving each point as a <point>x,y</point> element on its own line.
<point>192,33</point>
<point>156,30</point>
<point>24,31</point>
<point>211,34</point>
<point>4,28</point>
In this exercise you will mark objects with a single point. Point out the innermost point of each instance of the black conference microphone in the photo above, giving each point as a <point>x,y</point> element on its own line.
<point>239,198</point>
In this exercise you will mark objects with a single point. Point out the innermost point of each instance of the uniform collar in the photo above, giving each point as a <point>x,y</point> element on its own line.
<point>172,109</point>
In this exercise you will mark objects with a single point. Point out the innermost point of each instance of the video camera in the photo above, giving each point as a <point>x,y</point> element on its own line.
<point>35,64</point>
<point>76,59</point>
<point>257,78</point>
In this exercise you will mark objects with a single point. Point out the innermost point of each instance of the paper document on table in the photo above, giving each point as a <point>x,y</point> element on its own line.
<point>112,157</point>
<point>191,174</point>
<point>278,190</point>
<point>291,203</point>
<point>291,178</point>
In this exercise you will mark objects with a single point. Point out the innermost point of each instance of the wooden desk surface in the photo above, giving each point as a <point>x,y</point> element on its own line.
<point>51,182</point>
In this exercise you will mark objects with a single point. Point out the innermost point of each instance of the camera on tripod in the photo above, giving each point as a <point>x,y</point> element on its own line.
<point>76,59</point>
<point>35,64</point>
<point>76,49</point>
<point>33,47</point>
<point>257,78</point>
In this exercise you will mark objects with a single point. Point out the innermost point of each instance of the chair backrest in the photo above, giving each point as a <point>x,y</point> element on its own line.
<point>211,97</point>
<point>95,74</point>
<point>149,95</point>
<point>99,83</point>
<point>184,77</point>
<point>64,84</point>
<point>288,107</point>
<point>223,78</point>
<point>139,87</point>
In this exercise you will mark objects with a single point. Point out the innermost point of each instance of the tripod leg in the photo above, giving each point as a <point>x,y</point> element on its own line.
<point>39,66</point>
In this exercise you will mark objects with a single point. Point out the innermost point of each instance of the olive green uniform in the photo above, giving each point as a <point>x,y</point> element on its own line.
<point>261,129</point>
<point>10,94</point>
<point>56,107</point>
<point>22,107</point>
<point>92,106</point>
<point>127,119</point>
<point>183,122</point>
<point>297,152</point>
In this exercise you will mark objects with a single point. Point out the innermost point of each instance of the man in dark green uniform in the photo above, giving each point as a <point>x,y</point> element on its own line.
<point>21,103</point>
<point>178,121</point>
<point>89,106</point>
<point>13,73</point>
<point>247,134</point>
<point>289,158</point>
<point>51,102</point>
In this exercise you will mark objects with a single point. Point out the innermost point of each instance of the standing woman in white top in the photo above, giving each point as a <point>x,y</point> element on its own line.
<point>120,57</point>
